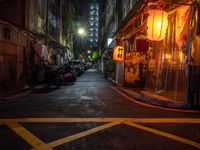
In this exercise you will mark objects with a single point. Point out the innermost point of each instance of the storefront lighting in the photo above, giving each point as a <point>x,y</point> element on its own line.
<point>181,56</point>
<point>118,54</point>
<point>157,25</point>
<point>168,56</point>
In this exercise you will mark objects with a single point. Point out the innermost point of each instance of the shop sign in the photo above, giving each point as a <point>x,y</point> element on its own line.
<point>118,54</point>
<point>142,45</point>
<point>152,63</point>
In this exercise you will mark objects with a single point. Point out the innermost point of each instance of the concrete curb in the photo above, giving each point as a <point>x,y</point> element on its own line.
<point>160,100</point>
<point>16,96</point>
<point>20,94</point>
<point>148,97</point>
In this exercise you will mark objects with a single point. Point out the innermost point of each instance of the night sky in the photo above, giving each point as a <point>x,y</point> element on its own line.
<point>84,6</point>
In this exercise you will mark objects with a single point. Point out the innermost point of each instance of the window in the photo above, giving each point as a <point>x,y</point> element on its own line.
<point>6,33</point>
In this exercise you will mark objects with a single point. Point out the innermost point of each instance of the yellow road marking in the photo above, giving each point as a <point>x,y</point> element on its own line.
<point>39,145</point>
<point>80,135</point>
<point>136,120</point>
<point>27,136</point>
<point>165,134</point>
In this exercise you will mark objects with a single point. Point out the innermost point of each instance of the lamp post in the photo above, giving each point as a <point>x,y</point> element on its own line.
<point>80,40</point>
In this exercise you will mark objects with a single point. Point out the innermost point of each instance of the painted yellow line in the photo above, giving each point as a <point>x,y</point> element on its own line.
<point>81,134</point>
<point>136,120</point>
<point>165,134</point>
<point>27,136</point>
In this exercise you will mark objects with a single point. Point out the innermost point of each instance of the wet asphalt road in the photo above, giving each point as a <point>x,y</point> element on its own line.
<point>91,96</point>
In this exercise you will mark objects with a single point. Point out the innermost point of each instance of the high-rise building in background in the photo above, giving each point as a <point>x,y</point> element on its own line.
<point>93,24</point>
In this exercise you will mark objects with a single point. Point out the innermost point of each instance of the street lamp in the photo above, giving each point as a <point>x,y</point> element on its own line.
<point>81,32</point>
<point>81,40</point>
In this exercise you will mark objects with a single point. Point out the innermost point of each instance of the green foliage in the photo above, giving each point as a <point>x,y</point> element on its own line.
<point>68,41</point>
<point>95,55</point>
<point>110,65</point>
<point>81,57</point>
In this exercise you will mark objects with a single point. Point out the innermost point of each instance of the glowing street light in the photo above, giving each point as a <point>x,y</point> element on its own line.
<point>81,32</point>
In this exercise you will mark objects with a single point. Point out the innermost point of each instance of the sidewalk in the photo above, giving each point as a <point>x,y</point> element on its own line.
<point>17,94</point>
<point>149,97</point>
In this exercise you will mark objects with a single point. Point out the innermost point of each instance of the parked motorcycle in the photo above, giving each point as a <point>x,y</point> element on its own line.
<point>68,73</point>
<point>53,76</point>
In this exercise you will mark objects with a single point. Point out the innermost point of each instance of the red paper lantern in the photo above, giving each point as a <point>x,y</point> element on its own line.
<point>157,23</point>
<point>118,54</point>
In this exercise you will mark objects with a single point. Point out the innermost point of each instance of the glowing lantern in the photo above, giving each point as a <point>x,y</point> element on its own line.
<point>157,25</point>
<point>118,54</point>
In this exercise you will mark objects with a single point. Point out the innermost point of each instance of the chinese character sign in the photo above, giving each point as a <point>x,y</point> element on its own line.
<point>118,54</point>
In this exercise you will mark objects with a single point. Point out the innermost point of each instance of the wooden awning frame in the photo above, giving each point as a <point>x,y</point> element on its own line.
<point>141,10</point>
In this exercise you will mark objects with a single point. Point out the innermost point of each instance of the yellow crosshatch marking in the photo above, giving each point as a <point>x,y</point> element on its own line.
<point>165,134</point>
<point>37,144</point>
<point>80,135</point>
<point>26,135</point>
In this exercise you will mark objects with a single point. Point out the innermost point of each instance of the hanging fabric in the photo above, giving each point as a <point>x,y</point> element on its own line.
<point>184,15</point>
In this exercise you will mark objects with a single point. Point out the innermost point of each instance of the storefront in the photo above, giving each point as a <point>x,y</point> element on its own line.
<point>168,71</point>
<point>136,60</point>
<point>162,47</point>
